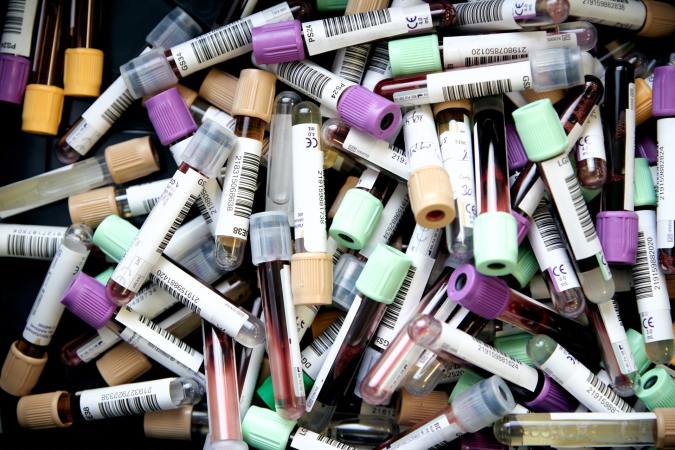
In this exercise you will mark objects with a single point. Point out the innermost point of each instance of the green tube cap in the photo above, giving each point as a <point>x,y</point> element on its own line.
<point>644,192</point>
<point>266,390</point>
<point>495,243</point>
<point>415,55</point>
<point>465,381</point>
<point>540,130</point>
<point>266,430</point>
<point>656,389</point>
<point>383,274</point>
<point>637,348</point>
<point>526,266</point>
<point>114,236</point>
<point>589,194</point>
<point>331,5</point>
<point>515,346</point>
<point>355,219</point>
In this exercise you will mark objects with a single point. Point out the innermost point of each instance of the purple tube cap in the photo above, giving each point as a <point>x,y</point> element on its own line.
<point>515,152</point>
<point>483,295</point>
<point>278,42</point>
<point>663,94</point>
<point>170,116</point>
<point>645,148</point>
<point>552,398</point>
<point>618,233</point>
<point>85,297</point>
<point>369,112</point>
<point>523,224</point>
<point>13,77</point>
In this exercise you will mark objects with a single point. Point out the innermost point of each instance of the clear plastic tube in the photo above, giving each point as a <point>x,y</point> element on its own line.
<point>513,15</point>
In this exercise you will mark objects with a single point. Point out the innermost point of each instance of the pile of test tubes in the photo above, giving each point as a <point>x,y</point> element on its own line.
<point>346,224</point>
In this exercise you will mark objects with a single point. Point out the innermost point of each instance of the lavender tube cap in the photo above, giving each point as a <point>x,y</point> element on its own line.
<point>552,398</point>
<point>645,147</point>
<point>515,152</point>
<point>523,224</point>
<point>170,116</point>
<point>481,294</point>
<point>618,233</point>
<point>369,112</point>
<point>663,94</point>
<point>13,77</point>
<point>85,297</point>
<point>278,42</point>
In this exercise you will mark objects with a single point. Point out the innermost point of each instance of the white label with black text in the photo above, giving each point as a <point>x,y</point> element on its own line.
<point>617,336</point>
<point>126,399</point>
<point>628,14</point>
<point>493,15</point>
<point>17,31</point>
<point>30,241</point>
<point>421,138</point>
<point>304,439</point>
<point>436,432</point>
<point>457,157</point>
<point>292,333</point>
<point>377,152</point>
<point>143,197</point>
<point>591,144</point>
<point>665,211</point>
<point>367,179</point>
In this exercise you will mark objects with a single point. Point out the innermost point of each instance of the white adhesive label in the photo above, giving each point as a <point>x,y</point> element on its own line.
<point>628,14</point>
<point>367,179</point>
<point>493,15</point>
<point>47,308</point>
<point>389,219</point>
<point>292,332</point>
<point>104,339</point>
<point>315,353</point>
<point>343,31</point>
<point>221,118</point>
<point>30,241</point>
<point>143,197</point>
<point>433,434</point>
<point>209,203</point>
<point>649,283</point>
<point>239,188</point>
<point>378,66</point>
<point>457,154</point>
<point>582,384</point>
<point>304,439</point>
<point>665,211</point>
<point>421,139</point>
<point>17,31</point>
<point>126,399</point>
<point>309,199</point>
<point>152,301</point>
<point>528,204</point>
<point>591,144</point>
<point>304,316</point>
<point>629,151</point>
<point>378,153</point>
<point>226,42</point>
<point>609,311</point>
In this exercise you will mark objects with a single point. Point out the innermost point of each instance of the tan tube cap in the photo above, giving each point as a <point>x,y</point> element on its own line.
<point>42,109</point>
<point>532,96</point>
<point>350,182</point>
<point>431,197</point>
<point>131,159</point>
<point>173,424</point>
<point>453,104</point>
<point>122,364</point>
<point>40,411</point>
<point>83,72</point>
<point>92,207</point>
<point>665,427</point>
<point>415,410</point>
<point>660,21</point>
<point>218,88</point>
<point>358,6</point>
<point>20,373</point>
<point>312,278</point>
<point>254,96</point>
<point>643,101</point>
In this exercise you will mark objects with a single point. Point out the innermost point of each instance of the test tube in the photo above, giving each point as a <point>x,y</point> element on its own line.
<point>647,18</point>
<point>30,241</point>
<point>60,409</point>
<point>202,160</point>
<point>27,356</point>
<point>185,423</point>
<point>15,44</point>
<point>83,61</point>
<point>312,275</point>
<point>252,108</point>
<point>510,15</point>
<point>590,153</point>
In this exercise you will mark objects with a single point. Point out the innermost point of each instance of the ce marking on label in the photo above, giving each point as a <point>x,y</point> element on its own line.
<point>311,142</point>
<point>411,22</point>
<point>559,270</point>
<point>519,8</point>
<point>648,322</point>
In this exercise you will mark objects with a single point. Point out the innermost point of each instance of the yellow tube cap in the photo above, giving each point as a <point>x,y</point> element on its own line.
<point>42,108</point>
<point>312,278</point>
<point>82,72</point>
<point>20,373</point>
<point>431,198</point>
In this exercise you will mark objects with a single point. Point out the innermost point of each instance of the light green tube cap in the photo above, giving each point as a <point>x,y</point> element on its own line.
<point>465,381</point>
<point>114,236</point>
<point>656,389</point>
<point>515,346</point>
<point>526,267</point>
<point>331,5</point>
<point>415,55</point>
<point>589,194</point>
<point>266,430</point>
<point>266,390</point>
<point>644,193</point>
<point>383,274</point>
<point>540,130</point>
<point>495,243</point>
<point>104,276</point>
<point>637,348</point>
<point>356,219</point>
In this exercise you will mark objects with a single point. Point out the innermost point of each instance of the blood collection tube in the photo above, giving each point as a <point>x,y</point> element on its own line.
<point>291,40</point>
<point>203,159</point>
<point>312,275</point>
<point>453,126</point>
<point>588,429</point>
<point>377,285</point>
<point>27,356</point>
<point>663,108</point>
<point>554,262</point>
<point>544,70</point>
<point>474,409</point>
<point>252,108</point>
<point>575,377</point>
<point>590,153</point>
<point>617,223</point>
<point>83,61</point>
<point>495,242</point>
<point>159,69</point>
<point>61,409</point>
<point>648,18</point>
<point>15,45</point>
<point>509,15</point>
<point>222,392</point>
<point>43,102</point>
<point>30,241</point>
<point>649,283</point>
<point>424,54</point>
<point>120,163</point>
<point>177,26</point>
<point>271,252</point>
<point>544,140</point>
<point>279,187</point>
<point>429,187</point>
<point>203,110</point>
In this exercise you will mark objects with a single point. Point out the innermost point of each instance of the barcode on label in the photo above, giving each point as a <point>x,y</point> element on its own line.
<point>379,60</point>
<point>176,223</point>
<point>14,17</point>
<point>32,246</point>
<point>324,341</point>
<point>336,256</point>
<point>335,26</point>
<point>547,227</point>
<point>129,406</point>
<point>394,309</point>
<point>150,203</point>
<point>333,443</point>
<point>247,185</point>
<point>478,12</point>
<point>482,60</point>
<point>641,276</point>
<point>354,62</point>
<point>204,211</point>
<point>580,207</point>
<point>165,334</point>
<point>608,393</point>
<point>116,108</point>
<point>221,41</point>
<point>299,74</point>
<point>480,89</point>
<point>191,305</point>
